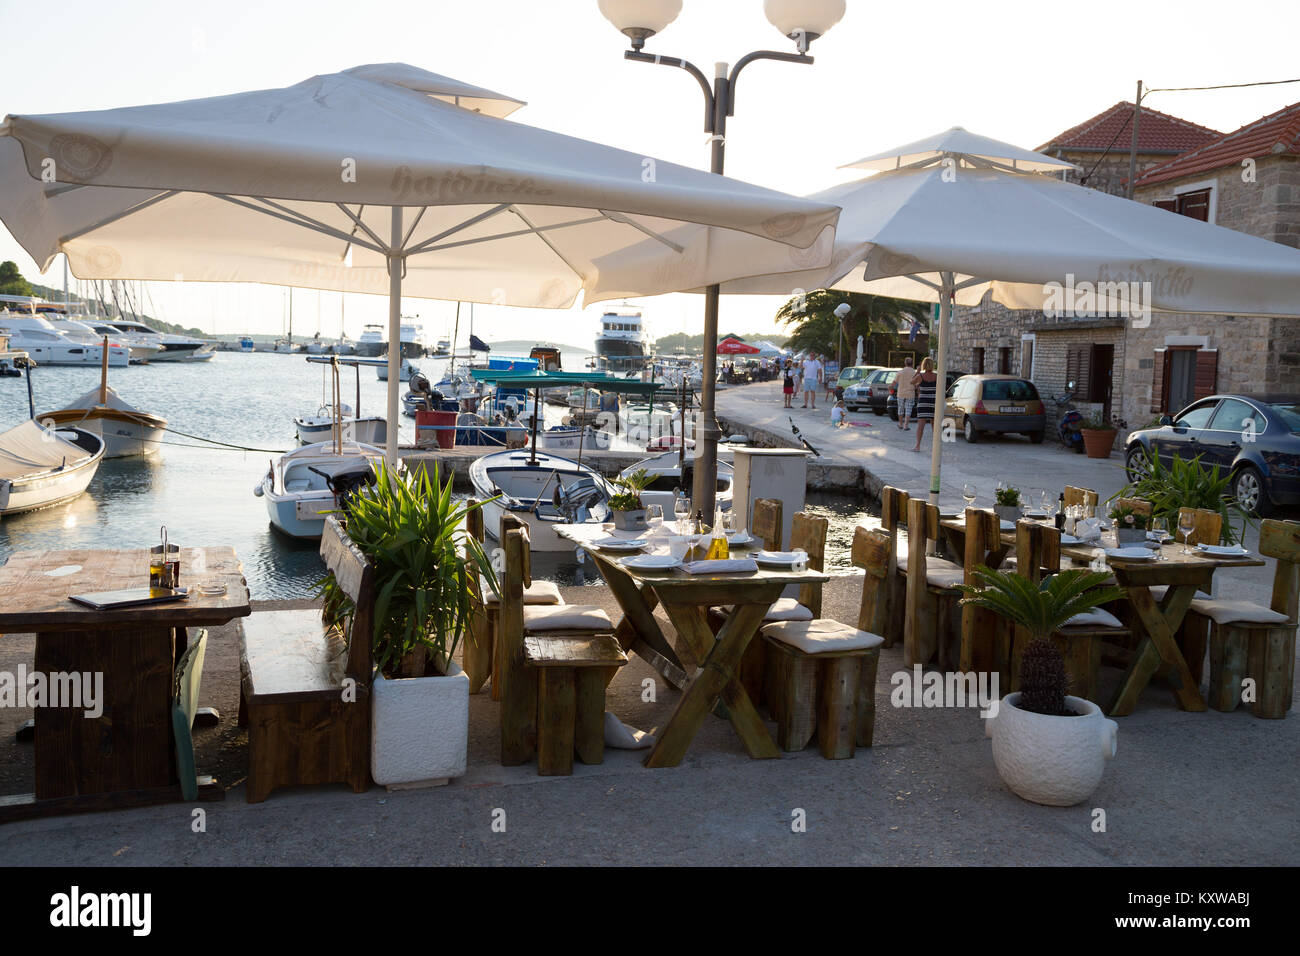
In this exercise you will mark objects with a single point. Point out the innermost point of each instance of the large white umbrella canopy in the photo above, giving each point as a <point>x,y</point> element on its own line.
<point>942,226</point>
<point>382,178</point>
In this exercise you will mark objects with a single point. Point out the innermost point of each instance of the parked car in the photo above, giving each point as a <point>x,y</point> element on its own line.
<point>996,403</point>
<point>870,392</point>
<point>1256,438</point>
<point>891,403</point>
<point>853,374</point>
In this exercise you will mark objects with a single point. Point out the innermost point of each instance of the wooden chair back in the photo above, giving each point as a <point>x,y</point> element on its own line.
<point>982,634</point>
<point>767,522</point>
<point>809,533</point>
<point>1080,496</point>
<point>983,535</point>
<point>1038,550</point>
<point>893,515</point>
<point>1207,525</point>
<point>511,522</point>
<point>355,577</point>
<point>518,687</point>
<point>920,630</point>
<point>1139,505</point>
<point>871,552</point>
<point>893,508</point>
<point>1281,540</point>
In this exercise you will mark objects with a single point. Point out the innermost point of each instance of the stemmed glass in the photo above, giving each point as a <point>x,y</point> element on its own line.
<point>1160,528</point>
<point>968,494</point>
<point>682,509</point>
<point>1187,524</point>
<point>1049,506</point>
<point>654,515</point>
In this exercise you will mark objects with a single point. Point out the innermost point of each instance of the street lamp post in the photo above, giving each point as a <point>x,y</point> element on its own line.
<point>800,20</point>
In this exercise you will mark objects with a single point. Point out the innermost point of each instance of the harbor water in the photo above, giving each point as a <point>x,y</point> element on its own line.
<point>204,493</point>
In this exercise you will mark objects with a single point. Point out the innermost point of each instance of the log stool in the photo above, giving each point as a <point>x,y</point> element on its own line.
<point>571,672</point>
<point>821,677</point>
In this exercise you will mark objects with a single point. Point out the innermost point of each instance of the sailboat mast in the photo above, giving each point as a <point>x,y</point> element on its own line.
<point>103,375</point>
<point>291,317</point>
<point>455,336</point>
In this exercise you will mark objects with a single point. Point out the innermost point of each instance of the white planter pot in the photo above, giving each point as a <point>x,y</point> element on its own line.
<point>629,520</point>
<point>419,729</point>
<point>1010,513</point>
<point>1057,761</point>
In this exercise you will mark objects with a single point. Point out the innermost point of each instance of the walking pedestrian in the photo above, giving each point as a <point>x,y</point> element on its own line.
<point>906,391</point>
<point>812,377</point>
<point>926,385</point>
<point>787,385</point>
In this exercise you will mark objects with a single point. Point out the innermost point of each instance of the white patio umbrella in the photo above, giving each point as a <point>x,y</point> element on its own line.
<point>382,178</point>
<point>956,216</point>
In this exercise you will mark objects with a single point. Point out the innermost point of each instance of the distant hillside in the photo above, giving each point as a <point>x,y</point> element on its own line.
<point>77,303</point>
<point>693,343</point>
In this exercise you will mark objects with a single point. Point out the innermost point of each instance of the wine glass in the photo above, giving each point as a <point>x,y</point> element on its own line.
<point>968,493</point>
<point>1187,524</point>
<point>1160,529</point>
<point>682,509</point>
<point>654,515</point>
<point>1049,506</point>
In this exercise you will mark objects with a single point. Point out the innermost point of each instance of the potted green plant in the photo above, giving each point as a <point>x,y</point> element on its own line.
<point>1048,746</point>
<point>1007,504</point>
<point>413,534</point>
<point>1130,526</point>
<point>1098,435</point>
<point>627,510</point>
<point>1185,483</point>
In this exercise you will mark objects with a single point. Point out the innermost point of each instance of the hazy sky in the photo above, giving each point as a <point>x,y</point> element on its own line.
<point>889,73</point>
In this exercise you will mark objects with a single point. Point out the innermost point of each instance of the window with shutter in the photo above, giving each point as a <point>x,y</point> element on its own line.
<point>1170,204</point>
<point>1207,373</point>
<point>1004,361</point>
<point>1195,205</point>
<point>1158,382</point>
<point>1078,369</point>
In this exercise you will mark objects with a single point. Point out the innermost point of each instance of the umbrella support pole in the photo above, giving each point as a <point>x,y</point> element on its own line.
<point>396,263</point>
<point>946,292</point>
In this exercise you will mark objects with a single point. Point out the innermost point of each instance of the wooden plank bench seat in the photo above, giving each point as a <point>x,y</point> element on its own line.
<point>305,688</point>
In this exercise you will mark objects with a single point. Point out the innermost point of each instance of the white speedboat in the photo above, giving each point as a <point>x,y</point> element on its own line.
<point>48,345</point>
<point>40,467</point>
<point>320,427</point>
<point>171,348</point>
<point>126,430</point>
<point>643,423</point>
<point>372,341</point>
<point>405,371</point>
<point>568,439</point>
<point>84,334</point>
<point>542,490</point>
<point>411,337</point>
<point>667,472</point>
<point>297,489</point>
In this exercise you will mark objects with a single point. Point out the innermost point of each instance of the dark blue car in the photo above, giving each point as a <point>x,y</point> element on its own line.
<point>1256,438</point>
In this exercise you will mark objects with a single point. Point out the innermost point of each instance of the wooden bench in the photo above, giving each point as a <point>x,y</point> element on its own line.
<point>931,594</point>
<point>305,689</point>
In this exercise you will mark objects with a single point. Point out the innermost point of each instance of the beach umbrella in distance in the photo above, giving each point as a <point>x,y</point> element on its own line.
<point>383,179</point>
<point>733,346</point>
<point>957,216</point>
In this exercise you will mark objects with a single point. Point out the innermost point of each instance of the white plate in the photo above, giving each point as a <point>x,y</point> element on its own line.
<point>1131,554</point>
<point>739,537</point>
<point>780,558</point>
<point>1224,550</point>
<point>619,544</point>
<point>1069,539</point>
<point>651,562</point>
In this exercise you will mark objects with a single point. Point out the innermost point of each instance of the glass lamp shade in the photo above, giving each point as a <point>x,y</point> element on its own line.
<point>640,18</point>
<point>810,18</point>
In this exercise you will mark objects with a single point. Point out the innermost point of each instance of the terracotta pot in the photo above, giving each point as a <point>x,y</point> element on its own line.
<point>1098,441</point>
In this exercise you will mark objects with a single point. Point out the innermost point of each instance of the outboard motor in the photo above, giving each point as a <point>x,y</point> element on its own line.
<point>347,482</point>
<point>577,499</point>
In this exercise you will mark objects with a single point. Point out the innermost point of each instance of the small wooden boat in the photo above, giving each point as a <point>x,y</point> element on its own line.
<point>320,427</point>
<point>125,429</point>
<point>40,467</point>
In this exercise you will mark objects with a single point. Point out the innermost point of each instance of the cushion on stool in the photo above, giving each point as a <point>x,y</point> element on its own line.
<point>1097,617</point>
<point>821,636</point>
<point>566,617</point>
<point>539,592</point>
<point>782,609</point>
<point>1237,612</point>
<point>943,574</point>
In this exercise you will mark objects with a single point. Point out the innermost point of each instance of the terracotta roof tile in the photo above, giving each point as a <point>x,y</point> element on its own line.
<point>1273,134</point>
<point>1157,133</point>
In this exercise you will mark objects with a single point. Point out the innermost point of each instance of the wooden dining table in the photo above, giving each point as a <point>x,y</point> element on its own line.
<point>125,756</point>
<point>1182,575</point>
<point>686,599</point>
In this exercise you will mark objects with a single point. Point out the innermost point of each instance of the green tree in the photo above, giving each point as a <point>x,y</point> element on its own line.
<point>818,329</point>
<point>12,281</point>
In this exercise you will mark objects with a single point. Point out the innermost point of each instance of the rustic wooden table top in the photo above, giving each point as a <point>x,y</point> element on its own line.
<point>35,585</point>
<point>585,534</point>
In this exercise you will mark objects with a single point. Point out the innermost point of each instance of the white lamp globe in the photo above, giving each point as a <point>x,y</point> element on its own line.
<point>803,20</point>
<point>639,19</point>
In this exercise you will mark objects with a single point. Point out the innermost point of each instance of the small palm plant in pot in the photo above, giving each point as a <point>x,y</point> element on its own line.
<point>425,566</point>
<point>1130,525</point>
<point>626,507</point>
<point>1049,747</point>
<point>1007,503</point>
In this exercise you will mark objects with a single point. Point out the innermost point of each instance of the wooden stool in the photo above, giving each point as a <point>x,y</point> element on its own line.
<point>821,677</point>
<point>571,697</point>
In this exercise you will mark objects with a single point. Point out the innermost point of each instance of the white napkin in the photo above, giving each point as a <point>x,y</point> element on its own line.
<point>729,566</point>
<point>1087,530</point>
<point>622,737</point>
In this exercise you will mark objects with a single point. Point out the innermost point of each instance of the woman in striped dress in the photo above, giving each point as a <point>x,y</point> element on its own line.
<point>926,385</point>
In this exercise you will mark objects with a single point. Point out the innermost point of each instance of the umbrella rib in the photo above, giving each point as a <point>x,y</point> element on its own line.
<point>356,219</point>
<point>107,220</point>
<point>550,245</point>
<point>473,220</point>
<point>303,221</point>
<point>425,247</point>
<point>410,232</point>
<point>628,221</point>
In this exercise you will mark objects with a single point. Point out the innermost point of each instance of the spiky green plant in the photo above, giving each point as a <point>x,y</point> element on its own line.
<point>413,533</point>
<point>1040,609</point>
<point>1186,483</point>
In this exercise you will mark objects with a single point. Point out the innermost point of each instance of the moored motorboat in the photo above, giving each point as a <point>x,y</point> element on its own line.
<point>40,467</point>
<point>540,489</point>
<point>125,429</point>
<point>305,483</point>
<point>405,371</point>
<point>666,470</point>
<point>372,430</point>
